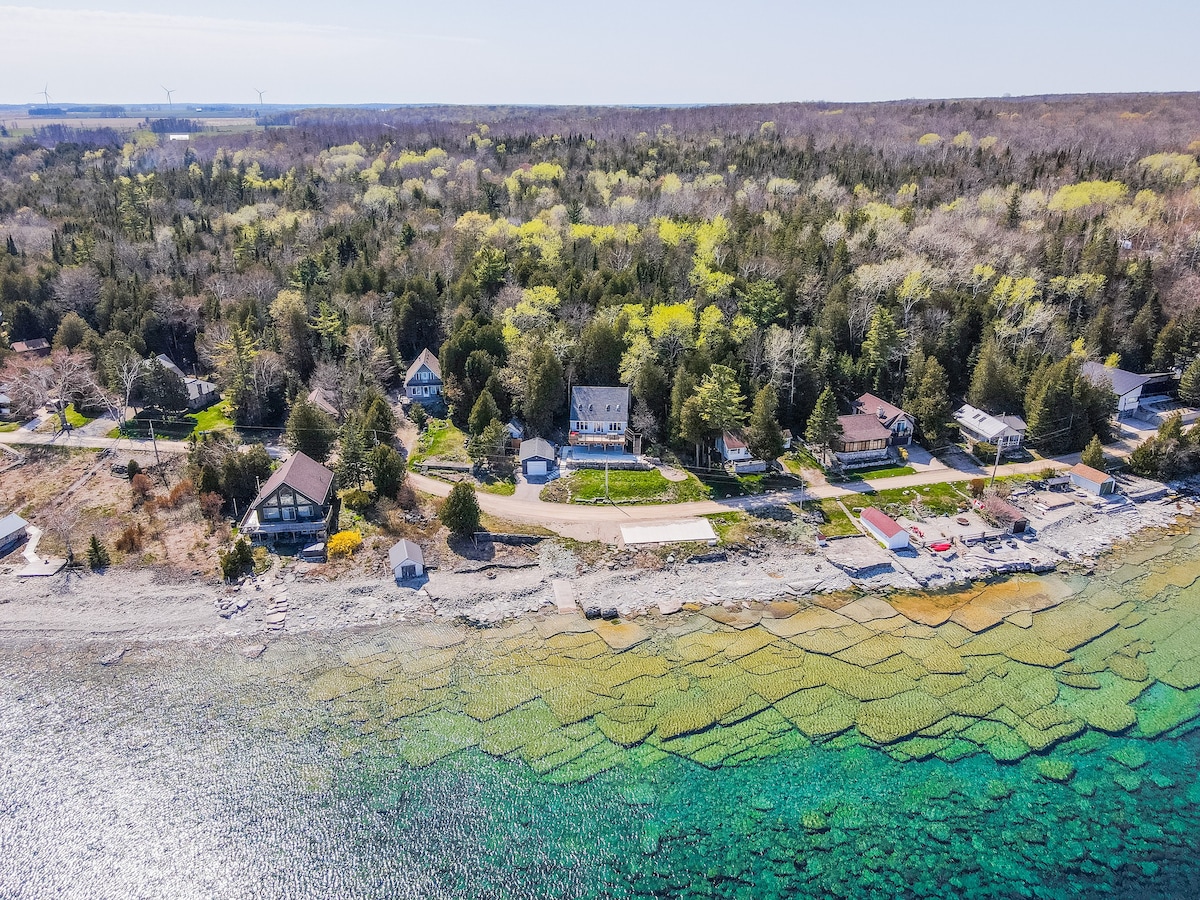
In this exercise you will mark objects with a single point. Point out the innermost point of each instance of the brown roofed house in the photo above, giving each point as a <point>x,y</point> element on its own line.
<point>32,347</point>
<point>294,506</point>
<point>864,441</point>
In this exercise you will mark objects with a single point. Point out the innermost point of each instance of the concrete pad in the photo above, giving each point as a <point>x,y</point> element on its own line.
<point>685,531</point>
<point>1022,619</point>
<point>564,596</point>
<point>42,568</point>
<point>563,624</point>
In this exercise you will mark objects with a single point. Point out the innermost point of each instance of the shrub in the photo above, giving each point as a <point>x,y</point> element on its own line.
<point>181,493</point>
<point>345,543</point>
<point>418,416</point>
<point>236,559</point>
<point>211,505</point>
<point>132,469</point>
<point>130,540</point>
<point>460,511</point>
<point>141,487</point>
<point>977,487</point>
<point>985,453</point>
<point>356,499</point>
<point>406,497</point>
<point>97,554</point>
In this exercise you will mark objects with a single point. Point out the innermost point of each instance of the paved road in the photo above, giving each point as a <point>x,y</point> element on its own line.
<point>73,440</point>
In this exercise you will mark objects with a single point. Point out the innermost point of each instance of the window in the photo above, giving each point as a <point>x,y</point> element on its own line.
<point>305,511</point>
<point>289,514</point>
<point>286,498</point>
<point>425,391</point>
<point>271,513</point>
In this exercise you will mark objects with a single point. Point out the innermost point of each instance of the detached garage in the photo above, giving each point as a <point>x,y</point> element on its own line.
<point>1092,480</point>
<point>406,560</point>
<point>884,529</point>
<point>537,456</point>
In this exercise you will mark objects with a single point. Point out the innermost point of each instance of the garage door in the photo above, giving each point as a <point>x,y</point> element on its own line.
<point>536,467</point>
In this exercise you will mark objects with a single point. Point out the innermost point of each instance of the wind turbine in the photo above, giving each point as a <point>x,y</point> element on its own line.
<point>260,96</point>
<point>45,94</point>
<point>169,93</point>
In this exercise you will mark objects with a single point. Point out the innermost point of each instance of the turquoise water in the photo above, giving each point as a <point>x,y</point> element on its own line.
<point>191,772</point>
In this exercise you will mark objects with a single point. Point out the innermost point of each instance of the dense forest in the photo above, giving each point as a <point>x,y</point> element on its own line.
<point>712,258</point>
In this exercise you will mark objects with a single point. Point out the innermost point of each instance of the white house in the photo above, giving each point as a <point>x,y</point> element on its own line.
<point>13,530</point>
<point>892,417</point>
<point>1128,386</point>
<point>423,380</point>
<point>732,447</point>
<point>1092,480</point>
<point>884,528</point>
<point>1003,432</point>
<point>537,456</point>
<point>599,417</point>
<point>406,560</point>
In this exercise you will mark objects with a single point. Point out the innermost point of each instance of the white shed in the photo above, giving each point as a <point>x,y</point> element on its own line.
<point>13,530</point>
<point>536,456</point>
<point>406,560</point>
<point>884,528</point>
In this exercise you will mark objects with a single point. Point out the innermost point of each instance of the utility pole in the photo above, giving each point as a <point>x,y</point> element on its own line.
<point>157,461</point>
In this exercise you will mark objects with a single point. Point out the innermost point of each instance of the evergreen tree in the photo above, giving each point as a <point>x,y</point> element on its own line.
<point>931,405</point>
<point>881,347</point>
<point>823,425</point>
<point>995,383</point>
<point>379,422</point>
<point>387,471</point>
<point>598,356</point>
<point>722,405</point>
<point>483,413</point>
<point>543,391</point>
<point>1093,454</point>
<point>353,466</point>
<point>310,431</point>
<point>11,246</point>
<point>460,511</point>
<point>163,389</point>
<point>1189,384</point>
<point>97,554</point>
<point>765,436</point>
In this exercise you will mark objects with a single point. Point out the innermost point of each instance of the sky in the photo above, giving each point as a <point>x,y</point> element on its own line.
<point>611,52</point>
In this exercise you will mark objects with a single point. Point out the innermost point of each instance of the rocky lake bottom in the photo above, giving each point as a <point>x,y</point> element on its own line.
<point>1033,737</point>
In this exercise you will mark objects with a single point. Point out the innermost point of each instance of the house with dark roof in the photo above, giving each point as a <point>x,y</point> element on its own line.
<point>32,347</point>
<point>537,456</point>
<point>296,505</point>
<point>201,394</point>
<point>599,418</point>
<point>1003,514</point>
<point>323,400</point>
<point>423,380</point>
<point>884,528</point>
<point>896,420</point>
<point>864,441</point>
<point>1129,387</point>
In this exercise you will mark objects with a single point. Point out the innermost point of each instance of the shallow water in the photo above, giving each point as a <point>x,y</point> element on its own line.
<point>1052,756</point>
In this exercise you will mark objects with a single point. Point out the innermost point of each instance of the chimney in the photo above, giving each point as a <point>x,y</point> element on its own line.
<point>879,412</point>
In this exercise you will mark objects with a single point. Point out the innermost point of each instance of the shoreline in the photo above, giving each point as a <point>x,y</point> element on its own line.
<point>157,606</point>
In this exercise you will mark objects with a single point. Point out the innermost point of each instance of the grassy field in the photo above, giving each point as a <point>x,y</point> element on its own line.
<point>504,488</point>
<point>879,472</point>
<point>9,426</point>
<point>440,439</point>
<point>935,499</point>
<point>587,486</point>
<point>212,419</point>
<point>837,523</point>
<point>75,418</point>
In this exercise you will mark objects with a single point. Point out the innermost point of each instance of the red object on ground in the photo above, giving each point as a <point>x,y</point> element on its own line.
<point>940,547</point>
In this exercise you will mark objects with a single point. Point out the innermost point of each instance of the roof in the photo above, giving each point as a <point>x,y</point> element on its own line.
<point>536,448</point>
<point>599,403</point>
<point>733,441</point>
<point>979,422</point>
<point>515,428</point>
<point>403,551</point>
<point>1119,380</point>
<point>856,429</point>
<point>319,397</point>
<point>1095,476</point>
<point>169,364</point>
<point>1003,511</point>
<point>426,359</point>
<point>10,525</point>
<point>31,344</point>
<point>302,474</point>
<point>869,404</point>
<point>883,523</point>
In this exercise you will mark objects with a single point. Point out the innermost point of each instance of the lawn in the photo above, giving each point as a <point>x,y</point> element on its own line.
<point>495,486</point>
<point>837,523</point>
<point>75,419</point>
<point>211,419</point>
<point>9,426</point>
<point>587,486</point>
<point>935,499</point>
<point>873,472</point>
<point>440,439</point>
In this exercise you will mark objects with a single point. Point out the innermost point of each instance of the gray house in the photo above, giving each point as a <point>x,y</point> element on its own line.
<point>537,456</point>
<point>423,380</point>
<point>201,394</point>
<point>599,417</point>
<point>294,506</point>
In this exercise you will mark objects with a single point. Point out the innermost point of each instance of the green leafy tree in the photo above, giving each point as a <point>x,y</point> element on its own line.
<point>1093,454</point>
<point>692,426</point>
<point>1189,384</point>
<point>97,554</point>
<point>823,425</point>
<point>236,559</point>
<point>489,449</point>
<point>764,437</point>
<point>310,431</point>
<point>354,465</point>
<point>762,303</point>
<point>460,510</point>
<point>483,413</point>
<point>722,404</point>
<point>387,471</point>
